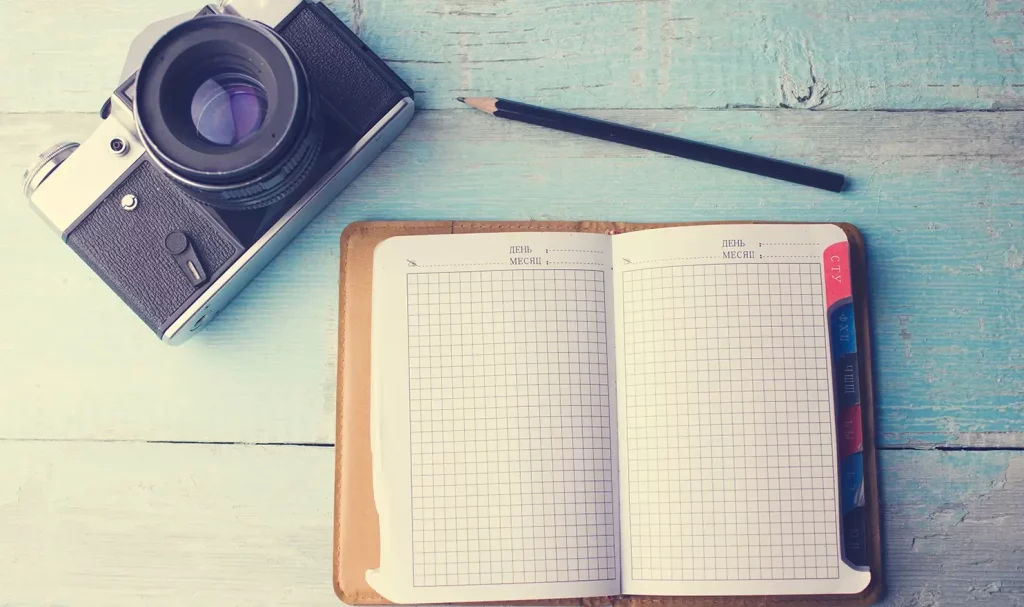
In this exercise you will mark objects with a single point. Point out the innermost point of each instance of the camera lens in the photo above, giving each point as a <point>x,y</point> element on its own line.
<point>224,107</point>
<point>228,109</point>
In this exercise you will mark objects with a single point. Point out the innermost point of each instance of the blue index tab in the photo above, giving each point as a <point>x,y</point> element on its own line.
<point>853,510</point>
<point>843,331</point>
<point>851,486</point>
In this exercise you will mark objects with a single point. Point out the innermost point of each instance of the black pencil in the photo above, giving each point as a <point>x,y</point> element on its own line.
<point>658,142</point>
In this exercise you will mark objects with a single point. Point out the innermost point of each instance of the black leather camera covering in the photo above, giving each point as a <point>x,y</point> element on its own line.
<point>126,248</point>
<point>349,77</point>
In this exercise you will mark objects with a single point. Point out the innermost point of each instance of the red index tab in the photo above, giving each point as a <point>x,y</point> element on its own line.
<point>837,273</point>
<point>851,437</point>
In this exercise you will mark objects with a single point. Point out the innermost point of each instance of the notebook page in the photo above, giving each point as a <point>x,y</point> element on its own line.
<point>493,419</point>
<point>726,422</point>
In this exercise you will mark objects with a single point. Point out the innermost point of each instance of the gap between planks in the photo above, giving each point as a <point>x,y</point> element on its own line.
<point>573,108</point>
<point>1008,448</point>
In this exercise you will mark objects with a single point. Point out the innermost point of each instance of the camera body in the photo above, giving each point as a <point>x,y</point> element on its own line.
<point>241,122</point>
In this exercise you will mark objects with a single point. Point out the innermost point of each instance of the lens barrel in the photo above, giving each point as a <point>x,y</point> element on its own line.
<point>223,106</point>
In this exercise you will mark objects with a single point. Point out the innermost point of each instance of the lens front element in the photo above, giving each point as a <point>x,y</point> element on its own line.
<point>228,109</point>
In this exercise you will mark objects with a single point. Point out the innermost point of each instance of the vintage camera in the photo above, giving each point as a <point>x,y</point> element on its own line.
<point>232,128</point>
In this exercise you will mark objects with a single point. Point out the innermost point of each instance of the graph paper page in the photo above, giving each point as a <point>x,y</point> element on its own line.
<point>727,454</point>
<point>493,421</point>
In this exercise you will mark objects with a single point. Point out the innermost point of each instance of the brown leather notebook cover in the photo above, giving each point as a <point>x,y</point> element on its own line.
<point>356,530</point>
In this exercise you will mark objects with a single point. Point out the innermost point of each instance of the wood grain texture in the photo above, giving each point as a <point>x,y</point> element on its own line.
<point>840,54</point>
<point>938,196</point>
<point>130,523</point>
<point>135,524</point>
<point>89,515</point>
<point>954,530</point>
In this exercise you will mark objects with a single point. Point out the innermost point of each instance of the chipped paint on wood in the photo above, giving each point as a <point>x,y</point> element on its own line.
<point>849,54</point>
<point>954,528</point>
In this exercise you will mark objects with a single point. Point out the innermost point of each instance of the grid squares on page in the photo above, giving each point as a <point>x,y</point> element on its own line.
<point>730,458</point>
<point>510,422</point>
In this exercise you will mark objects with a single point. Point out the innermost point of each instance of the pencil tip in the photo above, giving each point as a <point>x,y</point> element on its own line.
<point>462,99</point>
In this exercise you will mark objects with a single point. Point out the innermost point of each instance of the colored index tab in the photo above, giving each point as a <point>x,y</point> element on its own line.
<point>847,384</point>
<point>851,436</point>
<point>852,486</point>
<point>843,330</point>
<point>837,273</point>
<point>855,542</point>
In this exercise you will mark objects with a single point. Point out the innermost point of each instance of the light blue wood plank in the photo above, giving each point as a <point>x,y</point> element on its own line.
<point>250,525</point>
<point>952,528</point>
<point>937,194</point>
<point>132,524</point>
<point>709,54</point>
<point>845,54</point>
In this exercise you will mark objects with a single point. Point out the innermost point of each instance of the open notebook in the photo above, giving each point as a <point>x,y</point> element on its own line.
<point>647,413</point>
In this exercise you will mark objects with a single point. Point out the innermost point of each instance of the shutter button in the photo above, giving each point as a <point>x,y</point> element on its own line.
<point>178,245</point>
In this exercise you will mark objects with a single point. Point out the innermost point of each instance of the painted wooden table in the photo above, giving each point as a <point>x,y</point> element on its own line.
<point>134,473</point>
